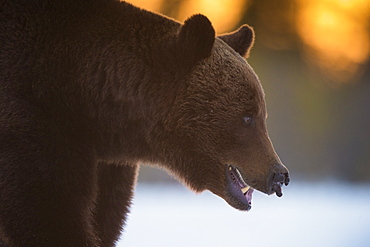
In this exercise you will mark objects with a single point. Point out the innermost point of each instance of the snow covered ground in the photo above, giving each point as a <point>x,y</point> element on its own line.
<point>309,214</point>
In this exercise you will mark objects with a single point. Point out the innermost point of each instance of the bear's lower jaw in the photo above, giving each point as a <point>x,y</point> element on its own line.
<point>239,192</point>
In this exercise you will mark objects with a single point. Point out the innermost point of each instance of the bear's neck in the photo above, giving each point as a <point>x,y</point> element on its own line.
<point>122,71</point>
<point>110,51</point>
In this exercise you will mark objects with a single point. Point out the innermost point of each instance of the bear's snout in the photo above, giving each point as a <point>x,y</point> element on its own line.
<point>277,178</point>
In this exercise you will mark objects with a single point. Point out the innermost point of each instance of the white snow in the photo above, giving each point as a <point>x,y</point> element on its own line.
<point>316,214</point>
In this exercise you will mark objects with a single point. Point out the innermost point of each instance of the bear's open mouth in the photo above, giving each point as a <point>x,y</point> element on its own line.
<point>238,189</point>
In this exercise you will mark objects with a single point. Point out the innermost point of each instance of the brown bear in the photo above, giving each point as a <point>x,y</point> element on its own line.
<point>91,88</point>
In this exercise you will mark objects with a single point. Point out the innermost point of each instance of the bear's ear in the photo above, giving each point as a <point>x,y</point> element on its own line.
<point>195,39</point>
<point>241,40</point>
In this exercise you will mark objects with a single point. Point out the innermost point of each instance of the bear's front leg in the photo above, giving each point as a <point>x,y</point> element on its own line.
<point>116,187</point>
<point>46,199</point>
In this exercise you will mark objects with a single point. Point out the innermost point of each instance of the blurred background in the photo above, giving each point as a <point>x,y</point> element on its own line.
<point>312,58</point>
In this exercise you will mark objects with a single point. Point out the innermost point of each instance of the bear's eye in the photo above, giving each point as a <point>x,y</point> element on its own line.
<point>247,120</point>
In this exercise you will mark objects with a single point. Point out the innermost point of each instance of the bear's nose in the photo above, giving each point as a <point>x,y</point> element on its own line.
<point>277,178</point>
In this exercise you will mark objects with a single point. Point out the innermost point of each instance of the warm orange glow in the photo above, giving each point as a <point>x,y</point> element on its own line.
<point>152,5</point>
<point>224,14</point>
<point>335,33</point>
<point>336,36</point>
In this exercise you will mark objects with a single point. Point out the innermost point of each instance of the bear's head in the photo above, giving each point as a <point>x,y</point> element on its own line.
<point>213,132</point>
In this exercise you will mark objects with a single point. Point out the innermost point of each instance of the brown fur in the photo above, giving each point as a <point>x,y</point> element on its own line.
<point>91,88</point>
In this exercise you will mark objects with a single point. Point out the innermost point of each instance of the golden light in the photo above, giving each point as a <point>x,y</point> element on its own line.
<point>224,14</point>
<point>336,35</point>
<point>152,5</point>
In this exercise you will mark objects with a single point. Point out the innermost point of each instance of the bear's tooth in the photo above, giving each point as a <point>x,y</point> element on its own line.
<point>245,189</point>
